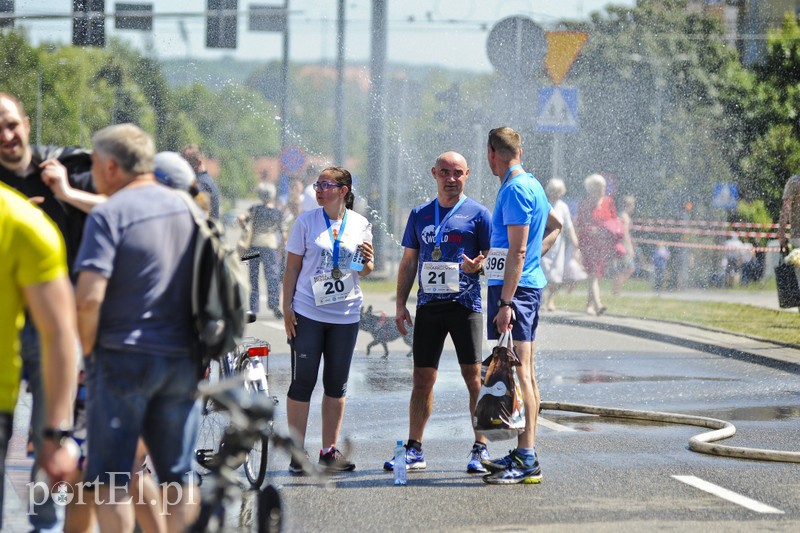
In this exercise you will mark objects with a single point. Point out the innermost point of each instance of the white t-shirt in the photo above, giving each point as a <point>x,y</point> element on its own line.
<point>311,240</point>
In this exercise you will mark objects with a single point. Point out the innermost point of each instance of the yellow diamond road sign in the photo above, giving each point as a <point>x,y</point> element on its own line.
<point>562,49</point>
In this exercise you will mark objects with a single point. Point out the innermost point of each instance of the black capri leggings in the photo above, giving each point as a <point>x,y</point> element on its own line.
<point>315,340</point>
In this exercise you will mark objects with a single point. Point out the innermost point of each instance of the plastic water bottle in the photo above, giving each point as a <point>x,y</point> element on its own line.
<point>357,262</point>
<point>400,474</point>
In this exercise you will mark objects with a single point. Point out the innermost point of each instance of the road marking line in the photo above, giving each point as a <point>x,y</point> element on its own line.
<point>555,426</point>
<point>729,495</point>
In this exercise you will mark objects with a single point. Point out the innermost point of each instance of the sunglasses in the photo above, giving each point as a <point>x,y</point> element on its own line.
<point>325,185</point>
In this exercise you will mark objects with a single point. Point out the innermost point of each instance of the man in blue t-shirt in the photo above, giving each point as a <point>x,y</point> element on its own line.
<point>444,245</point>
<point>524,227</point>
<point>135,325</point>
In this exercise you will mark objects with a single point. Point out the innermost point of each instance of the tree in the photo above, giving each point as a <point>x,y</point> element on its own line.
<point>771,110</point>
<point>651,114</point>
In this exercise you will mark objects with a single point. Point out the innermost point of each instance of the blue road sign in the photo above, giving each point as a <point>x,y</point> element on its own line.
<point>292,159</point>
<point>726,196</point>
<point>558,110</point>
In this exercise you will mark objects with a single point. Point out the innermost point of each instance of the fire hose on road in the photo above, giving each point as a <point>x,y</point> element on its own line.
<point>700,443</point>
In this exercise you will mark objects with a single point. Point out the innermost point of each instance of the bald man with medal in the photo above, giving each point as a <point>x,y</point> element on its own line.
<point>445,243</point>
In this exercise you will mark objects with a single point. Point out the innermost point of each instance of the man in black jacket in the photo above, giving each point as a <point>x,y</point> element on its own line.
<point>59,180</point>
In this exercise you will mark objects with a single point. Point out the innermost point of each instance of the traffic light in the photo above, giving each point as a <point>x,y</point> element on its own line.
<point>133,17</point>
<point>221,23</point>
<point>6,8</point>
<point>88,23</point>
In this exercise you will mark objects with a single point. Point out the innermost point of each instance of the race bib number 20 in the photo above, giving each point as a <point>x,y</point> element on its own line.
<point>328,290</point>
<point>495,263</point>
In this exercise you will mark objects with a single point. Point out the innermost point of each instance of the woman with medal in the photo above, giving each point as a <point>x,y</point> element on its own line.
<point>328,250</point>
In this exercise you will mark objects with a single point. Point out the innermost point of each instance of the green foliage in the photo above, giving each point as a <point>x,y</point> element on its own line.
<point>770,129</point>
<point>652,112</point>
<point>234,125</point>
<point>84,89</point>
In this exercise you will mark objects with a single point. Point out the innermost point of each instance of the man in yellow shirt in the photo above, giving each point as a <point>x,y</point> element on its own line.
<point>33,273</point>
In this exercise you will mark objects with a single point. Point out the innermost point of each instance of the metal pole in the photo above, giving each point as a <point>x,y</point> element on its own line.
<point>376,156</point>
<point>285,97</point>
<point>339,128</point>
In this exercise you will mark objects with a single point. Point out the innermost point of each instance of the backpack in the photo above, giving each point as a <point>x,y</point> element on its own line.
<point>219,290</point>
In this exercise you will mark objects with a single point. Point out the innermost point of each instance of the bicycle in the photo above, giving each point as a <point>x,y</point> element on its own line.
<point>250,360</point>
<point>251,420</point>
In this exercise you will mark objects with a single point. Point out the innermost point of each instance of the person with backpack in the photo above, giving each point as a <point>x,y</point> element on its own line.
<point>263,229</point>
<point>135,319</point>
<point>322,307</point>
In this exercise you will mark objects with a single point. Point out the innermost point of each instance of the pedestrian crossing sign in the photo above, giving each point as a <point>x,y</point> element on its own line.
<point>725,196</point>
<point>558,110</point>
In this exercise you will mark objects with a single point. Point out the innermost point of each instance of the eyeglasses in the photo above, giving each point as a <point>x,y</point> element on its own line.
<point>325,185</point>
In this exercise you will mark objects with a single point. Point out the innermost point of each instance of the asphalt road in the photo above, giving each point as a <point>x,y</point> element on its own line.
<point>600,474</point>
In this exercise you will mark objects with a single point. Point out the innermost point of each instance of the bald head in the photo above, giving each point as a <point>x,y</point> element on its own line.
<point>450,158</point>
<point>451,173</point>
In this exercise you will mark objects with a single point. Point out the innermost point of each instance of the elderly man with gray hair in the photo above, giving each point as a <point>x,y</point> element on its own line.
<point>134,320</point>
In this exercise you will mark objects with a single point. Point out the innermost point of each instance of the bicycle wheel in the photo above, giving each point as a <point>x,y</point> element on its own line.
<point>213,422</point>
<point>255,466</point>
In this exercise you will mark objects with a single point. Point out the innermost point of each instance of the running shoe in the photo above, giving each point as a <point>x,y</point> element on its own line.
<point>518,474</point>
<point>515,472</point>
<point>478,454</point>
<point>295,468</point>
<point>334,461</point>
<point>500,464</point>
<point>415,460</point>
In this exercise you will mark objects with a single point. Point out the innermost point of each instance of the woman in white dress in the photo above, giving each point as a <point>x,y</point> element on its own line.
<point>554,262</point>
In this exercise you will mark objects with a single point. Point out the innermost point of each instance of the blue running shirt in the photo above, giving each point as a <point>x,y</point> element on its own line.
<point>468,231</point>
<point>522,201</point>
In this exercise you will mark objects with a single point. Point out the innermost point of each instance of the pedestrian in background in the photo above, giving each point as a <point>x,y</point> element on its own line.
<point>322,307</point>
<point>790,214</point>
<point>626,265</point>
<point>263,226</point>
<point>524,227</point>
<point>554,264</point>
<point>661,256</point>
<point>444,253</point>
<point>196,158</point>
<point>599,229</point>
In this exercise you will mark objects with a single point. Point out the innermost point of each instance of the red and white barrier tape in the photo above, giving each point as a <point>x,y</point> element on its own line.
<point>703,223</point>
<point>711,232</point>
<point>697,245</point>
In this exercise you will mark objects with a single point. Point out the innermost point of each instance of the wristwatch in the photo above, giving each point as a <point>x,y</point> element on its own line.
<point>56,434</point>
<point>504,303</point>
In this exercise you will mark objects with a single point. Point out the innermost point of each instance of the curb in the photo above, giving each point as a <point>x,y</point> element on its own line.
<point>781,356</point>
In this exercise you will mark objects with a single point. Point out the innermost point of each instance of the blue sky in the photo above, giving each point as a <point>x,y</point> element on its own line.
<point>432,32</point>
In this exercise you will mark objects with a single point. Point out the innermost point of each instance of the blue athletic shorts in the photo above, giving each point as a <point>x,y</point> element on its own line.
<point>526,303</point>
<point>132,394</point>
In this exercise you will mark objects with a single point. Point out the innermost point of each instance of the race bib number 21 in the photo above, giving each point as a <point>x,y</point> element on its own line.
<point>495,264</point>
